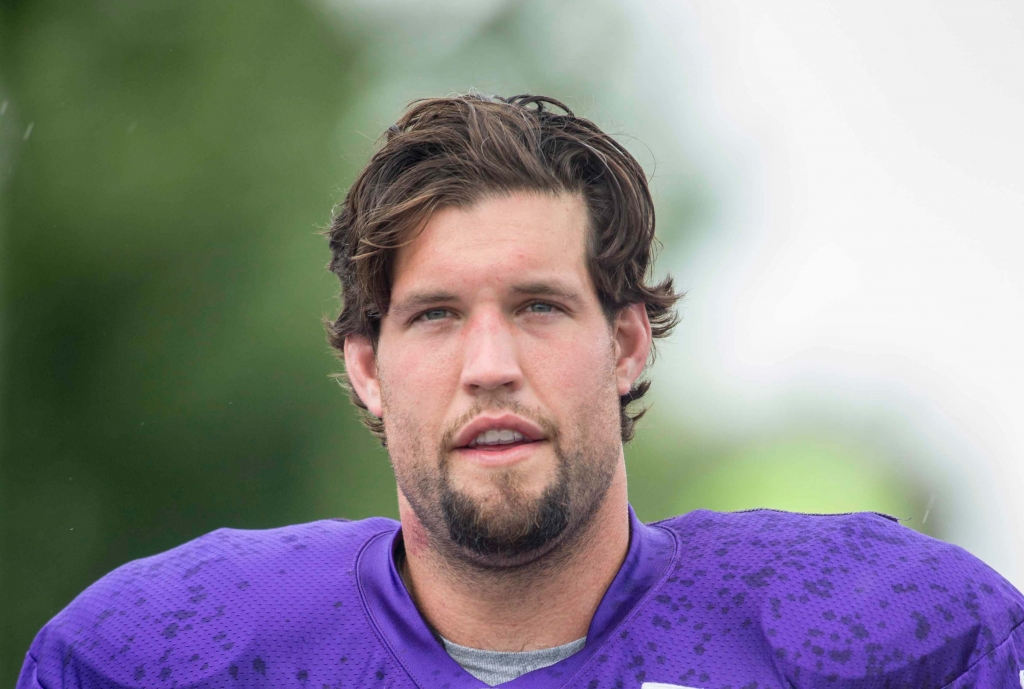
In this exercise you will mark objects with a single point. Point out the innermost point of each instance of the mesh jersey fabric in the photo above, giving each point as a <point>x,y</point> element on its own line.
<point>752,600</point>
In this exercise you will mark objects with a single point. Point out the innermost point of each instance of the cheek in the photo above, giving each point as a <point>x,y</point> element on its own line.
<point>416,372</point>
<point>416,390</point>
<point>574,373</point>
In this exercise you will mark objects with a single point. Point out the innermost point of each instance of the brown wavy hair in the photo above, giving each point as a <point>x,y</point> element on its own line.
<point>451,152</point>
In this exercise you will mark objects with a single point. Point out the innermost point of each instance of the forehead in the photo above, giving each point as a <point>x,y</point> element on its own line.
<point>497,240</point>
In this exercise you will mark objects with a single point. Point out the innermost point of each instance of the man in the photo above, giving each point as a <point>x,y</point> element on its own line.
<point>496,321</point>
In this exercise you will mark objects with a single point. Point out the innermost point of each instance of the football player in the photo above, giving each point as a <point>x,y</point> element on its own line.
<point>498,315</point>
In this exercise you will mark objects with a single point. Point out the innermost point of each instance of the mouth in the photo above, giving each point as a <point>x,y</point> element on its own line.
<point>499,439</point>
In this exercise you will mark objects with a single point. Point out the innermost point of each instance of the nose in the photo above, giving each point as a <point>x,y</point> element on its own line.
<point>491,359</point>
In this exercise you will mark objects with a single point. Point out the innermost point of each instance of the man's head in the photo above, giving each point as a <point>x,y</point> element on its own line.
<point>496,319</point>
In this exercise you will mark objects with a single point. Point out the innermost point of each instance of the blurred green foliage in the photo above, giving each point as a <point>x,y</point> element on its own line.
<point>165,372</point>
<point>808,468</point>
<point>165,169</point>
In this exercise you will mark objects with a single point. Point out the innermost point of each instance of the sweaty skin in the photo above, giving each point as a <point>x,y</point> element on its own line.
<point>494,320</point>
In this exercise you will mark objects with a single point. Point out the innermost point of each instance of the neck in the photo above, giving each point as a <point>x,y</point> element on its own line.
<point>547,603</point>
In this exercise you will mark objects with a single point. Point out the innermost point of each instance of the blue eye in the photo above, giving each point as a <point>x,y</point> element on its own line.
<point>434,314</point>
<point>540,307</point>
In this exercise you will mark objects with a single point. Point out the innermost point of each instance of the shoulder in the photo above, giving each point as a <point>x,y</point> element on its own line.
<point>862,550</point>
<point>188,612</point>
<point>845,596</point>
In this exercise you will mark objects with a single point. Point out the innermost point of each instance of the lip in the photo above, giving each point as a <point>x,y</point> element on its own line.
<point>494,456</point>
<point>486,422</point>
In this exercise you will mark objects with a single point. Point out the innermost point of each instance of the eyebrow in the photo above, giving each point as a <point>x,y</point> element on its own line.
<point>419,300</point>
<point>547,289</point>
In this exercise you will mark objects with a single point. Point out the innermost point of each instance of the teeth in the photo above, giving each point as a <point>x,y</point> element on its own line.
<point>496,436</point>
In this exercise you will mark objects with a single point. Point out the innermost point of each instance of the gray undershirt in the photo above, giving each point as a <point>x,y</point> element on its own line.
<point>497,667</point>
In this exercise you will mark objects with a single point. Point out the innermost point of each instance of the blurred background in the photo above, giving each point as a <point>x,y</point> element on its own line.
<point>839,188</point>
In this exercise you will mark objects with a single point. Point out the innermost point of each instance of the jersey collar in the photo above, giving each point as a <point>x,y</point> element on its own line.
<point>403,631</point>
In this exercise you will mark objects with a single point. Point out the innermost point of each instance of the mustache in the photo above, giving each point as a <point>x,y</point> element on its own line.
<point>496,405</point>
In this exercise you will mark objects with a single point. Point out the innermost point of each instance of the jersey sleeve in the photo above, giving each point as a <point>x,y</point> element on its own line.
<point>231,608</point>
<point>1000,668</point>
<point>27,679</point>
<point>856,601</point>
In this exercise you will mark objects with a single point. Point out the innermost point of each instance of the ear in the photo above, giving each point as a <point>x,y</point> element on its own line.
<point>632,333</point>
<point>361,367</point>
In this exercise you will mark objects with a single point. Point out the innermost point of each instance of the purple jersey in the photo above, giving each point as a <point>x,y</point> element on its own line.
<point>747,600</point>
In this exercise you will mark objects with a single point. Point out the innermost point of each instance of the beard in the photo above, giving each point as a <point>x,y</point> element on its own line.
<point>513,526</point>
<point>524,526</point>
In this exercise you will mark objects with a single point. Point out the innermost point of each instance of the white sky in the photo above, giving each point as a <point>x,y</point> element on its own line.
<point>871,157</point>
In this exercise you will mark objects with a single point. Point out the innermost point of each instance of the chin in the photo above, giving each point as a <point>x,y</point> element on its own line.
<point>508,524</point>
